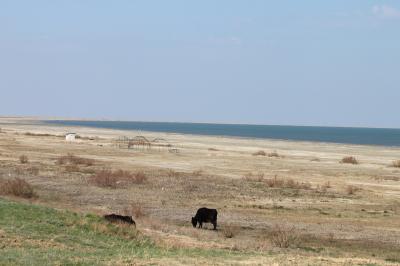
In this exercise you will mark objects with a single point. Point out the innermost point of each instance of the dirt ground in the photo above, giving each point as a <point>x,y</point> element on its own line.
<point>335,213</point>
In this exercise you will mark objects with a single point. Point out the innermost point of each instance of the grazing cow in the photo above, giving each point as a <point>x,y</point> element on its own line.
<point>205,215</point>
<point>115,218</point>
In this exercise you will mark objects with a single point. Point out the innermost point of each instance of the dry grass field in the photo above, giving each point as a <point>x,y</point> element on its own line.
<point>279,202</point>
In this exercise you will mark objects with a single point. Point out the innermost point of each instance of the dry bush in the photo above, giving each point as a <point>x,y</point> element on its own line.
<point>284,238</point>
<point>396,164</point>
<point>274,154</point>
<point>23,159</point>
<point>349,159</point>
<point>324,187</point>
<point>259,153</point>
<point>189,187</point>
<point>275,182</point>
<point>351,190</point>
<point>33,170</point>
<point>172,173</point>
<point>38,134</point>
<point>108,178</point>
<point>213,149</point>
<point>315,160</point>
<point>72,168</point>
<point>229,231</point>
<point>288,183</point>
<point>75,160</point>
<point>140,177</point>
<point>259,177</point>
<point>17,187</point>
<point>104,178</point>
<point>197,173</point>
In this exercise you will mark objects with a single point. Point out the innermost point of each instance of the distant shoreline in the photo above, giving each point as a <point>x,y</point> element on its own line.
<point>336,135</point>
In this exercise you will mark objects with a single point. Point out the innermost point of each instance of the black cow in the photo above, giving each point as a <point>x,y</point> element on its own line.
<point>115,218</point>
<point>205,215</point>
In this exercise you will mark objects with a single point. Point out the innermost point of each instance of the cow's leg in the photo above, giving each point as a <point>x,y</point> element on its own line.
<point>215,225</point>
<point>201,225</point>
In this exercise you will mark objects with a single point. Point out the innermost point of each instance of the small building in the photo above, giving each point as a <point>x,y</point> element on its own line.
<point>70,136</point>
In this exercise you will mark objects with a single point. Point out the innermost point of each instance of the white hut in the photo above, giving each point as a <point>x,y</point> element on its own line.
<point>70,136</point>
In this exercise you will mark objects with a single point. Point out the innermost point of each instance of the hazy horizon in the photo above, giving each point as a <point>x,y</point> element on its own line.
<point>261,63</point>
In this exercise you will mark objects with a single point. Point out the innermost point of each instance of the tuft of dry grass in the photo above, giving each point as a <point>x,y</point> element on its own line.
<point>349,160</point>
<point>38,134</point>
<point>324,187</point>
<point>260,153</point>
<point>288,183</point>
<point>104,178</point>
<point>351,190</point>
<point>73,168</point>
<point>17,187</point>
<point>259,177</point>
<point>274,154</point>
<point>197,173</point>
<point>283,237</point>
<point>213,149</point>
<point>396,164</point>
<point>139,177</point>
<point>173,173</point>
<point>23,159</point>
<point>74,160</point>
<point>229,231</point>
<point>112,179</point>
<point>33,170</point>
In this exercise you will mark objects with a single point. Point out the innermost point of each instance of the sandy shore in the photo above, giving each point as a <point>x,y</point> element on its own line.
<point>222,172</point>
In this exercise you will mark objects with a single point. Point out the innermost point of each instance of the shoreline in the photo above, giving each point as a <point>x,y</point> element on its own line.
<point>134,126</point>
<point>47,122</point>
<point>26,123</point>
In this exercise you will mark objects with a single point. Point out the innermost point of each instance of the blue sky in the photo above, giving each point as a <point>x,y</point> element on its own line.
<point>329,63</point>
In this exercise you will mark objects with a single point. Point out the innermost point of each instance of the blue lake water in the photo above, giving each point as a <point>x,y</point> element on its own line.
<point>346,135</point>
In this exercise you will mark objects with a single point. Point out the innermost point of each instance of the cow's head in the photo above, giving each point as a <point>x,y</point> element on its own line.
<point>194,222</point>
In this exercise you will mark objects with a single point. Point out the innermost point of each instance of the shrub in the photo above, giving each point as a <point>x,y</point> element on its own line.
<point>104,178</point>
<point>274,154</point>
<point>213,149</point>
<point>229,231</point>
<point>23,159</point>
<point>259,153</point>
<point>140,177</point>
<point>173,173</point>
<point>288,183</point>
<point>72,168</point>
<point>282,237</point>
<point>197,173</point>
<point>396,164</point>
<point>17,187</point>
<point>275,182</point>
<point>259,177</point>
<point>33,170</point>
<point>351,190</point>
<point>349,159</point>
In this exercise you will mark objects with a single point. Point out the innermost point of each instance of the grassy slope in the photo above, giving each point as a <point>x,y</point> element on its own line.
<point>35,235</point>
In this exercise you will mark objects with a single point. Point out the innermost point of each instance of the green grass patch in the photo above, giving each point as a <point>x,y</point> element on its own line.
<point>36,235</point>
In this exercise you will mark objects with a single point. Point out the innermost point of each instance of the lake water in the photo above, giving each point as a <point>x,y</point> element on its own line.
<point>346,135</point>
